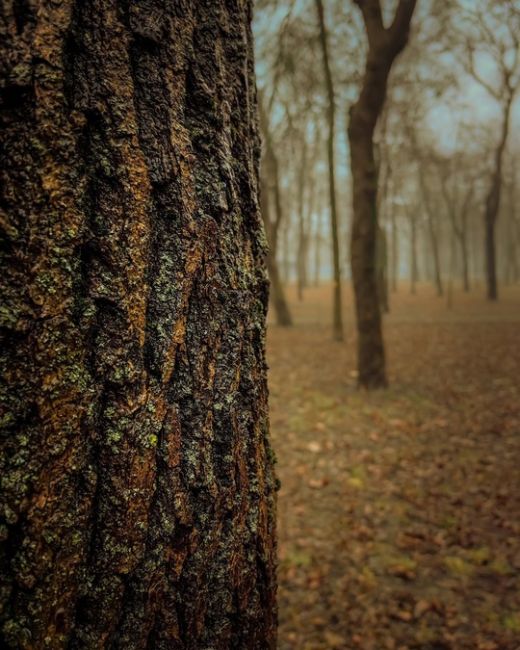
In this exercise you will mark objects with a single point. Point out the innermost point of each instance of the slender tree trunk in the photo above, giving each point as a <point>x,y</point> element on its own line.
<point>511,240</point>
<point>492,206</point>
<point>435,257</point>
<point>337,317</point>
<point>138,492</point>
<point>395,251</point>
<point>281,308</point>
<point>270,172</point>
<point>452,261</point>
<point>277,294</point>
<point>464,261</point>
<point>414,271</point>
<point>384,44</point>
<point>308,234</point>
<point>432,231</point>
<point>302,234</point>
<point>286,254</point>
<point>382,270</point>
<point>317,252</point>
<point>514,225</point>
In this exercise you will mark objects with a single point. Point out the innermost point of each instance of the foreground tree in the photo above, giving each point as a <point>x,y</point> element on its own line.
<point>384,44</point>
<point>137,487</point>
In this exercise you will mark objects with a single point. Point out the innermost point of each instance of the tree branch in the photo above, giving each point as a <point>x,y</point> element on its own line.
<point>373,19</point>
<point>402,18</point>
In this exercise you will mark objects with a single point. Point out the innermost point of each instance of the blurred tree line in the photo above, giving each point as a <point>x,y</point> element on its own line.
<point>389,151</point>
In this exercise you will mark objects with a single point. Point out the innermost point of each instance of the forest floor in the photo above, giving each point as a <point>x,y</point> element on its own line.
<point>399,511</point>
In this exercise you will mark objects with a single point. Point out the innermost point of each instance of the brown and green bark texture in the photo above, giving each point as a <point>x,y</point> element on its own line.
<point>137,506</point>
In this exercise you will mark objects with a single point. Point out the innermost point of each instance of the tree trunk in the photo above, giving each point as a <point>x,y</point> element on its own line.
<point>452,261</point>
<point>395,251</point>
<point>414,271</point>
<point>432,231</point>
<point>302,226</point>
<point>337,317</point>
<point>277,294</point>
<point>464,260</point>
<point>492,206</point>
<point>138,491</point>
<point>384,44</point>
<point>317,252</point>
<point>270,171</point>
<point>281,308</point>
<point>286,253</point>
<point>511,236</point>
<point>382,270</point>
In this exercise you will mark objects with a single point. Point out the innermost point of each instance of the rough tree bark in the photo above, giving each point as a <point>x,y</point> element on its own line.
<point>384,45</point>
<point>137,506</point>
<point>331,118</point>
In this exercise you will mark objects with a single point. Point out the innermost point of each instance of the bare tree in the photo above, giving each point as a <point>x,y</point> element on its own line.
<point>457,209</point>
<point>270,187</point>
<point>414,267</point>
<point>331,118</point>
<point>384,45</point>
<point>493,29</point>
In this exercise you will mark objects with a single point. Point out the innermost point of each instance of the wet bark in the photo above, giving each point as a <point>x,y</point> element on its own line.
<point>384,45</point>
<point>137,506</point>
<point>337,316</point>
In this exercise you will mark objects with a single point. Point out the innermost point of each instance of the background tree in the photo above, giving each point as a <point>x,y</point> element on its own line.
<point>137,486</point>
<point>491,35</point>
<point>458,197</point>
<point>384,44</point>
<point>271,191</point>
<point>331,119</point>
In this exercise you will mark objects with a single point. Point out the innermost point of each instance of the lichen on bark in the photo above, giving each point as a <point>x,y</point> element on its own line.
<point>137,488</point>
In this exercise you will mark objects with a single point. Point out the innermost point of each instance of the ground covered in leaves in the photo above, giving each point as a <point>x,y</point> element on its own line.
<point>399,511</point>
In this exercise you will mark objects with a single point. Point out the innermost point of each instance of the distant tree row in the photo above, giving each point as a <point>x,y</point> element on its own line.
<point>388,150</point>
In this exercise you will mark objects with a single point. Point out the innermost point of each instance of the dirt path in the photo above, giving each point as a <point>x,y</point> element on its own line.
<point>400,510</point>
